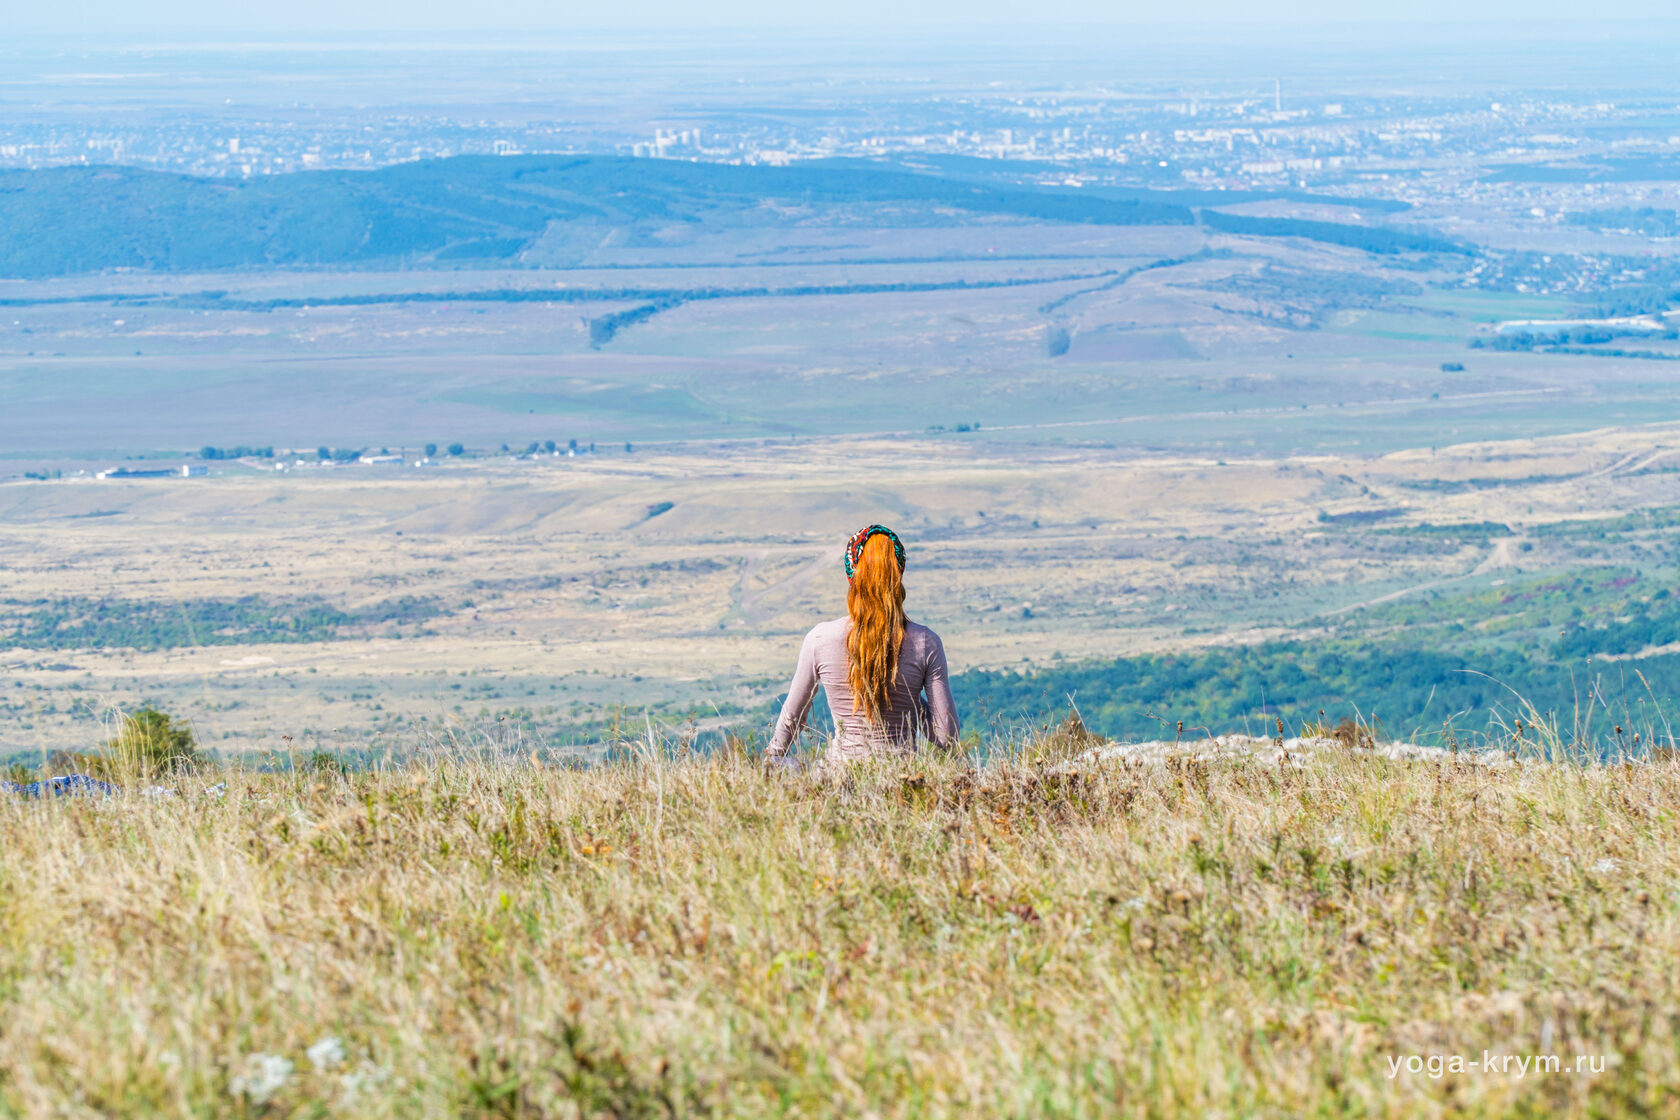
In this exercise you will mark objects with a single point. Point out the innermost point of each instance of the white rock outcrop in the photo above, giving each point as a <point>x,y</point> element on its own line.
<point>1234,748</point>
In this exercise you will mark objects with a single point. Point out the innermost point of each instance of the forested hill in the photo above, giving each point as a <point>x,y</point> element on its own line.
<point>478,209</point>
<point>67,220</point>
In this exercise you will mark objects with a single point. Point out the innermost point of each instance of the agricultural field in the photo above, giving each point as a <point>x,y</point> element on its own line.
<point>1176,336</point>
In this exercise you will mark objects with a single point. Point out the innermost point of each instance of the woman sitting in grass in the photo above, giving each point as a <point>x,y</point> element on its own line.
<point>884,675</point>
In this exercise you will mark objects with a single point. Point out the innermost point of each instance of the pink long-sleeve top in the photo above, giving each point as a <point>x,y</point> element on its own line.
<point>920,698</point>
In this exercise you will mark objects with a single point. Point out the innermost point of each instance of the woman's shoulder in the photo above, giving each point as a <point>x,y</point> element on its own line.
<point>921,636</point>
<point>832,630</point>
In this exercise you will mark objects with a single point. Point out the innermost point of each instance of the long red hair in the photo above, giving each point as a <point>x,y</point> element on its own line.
<point>876,605</point>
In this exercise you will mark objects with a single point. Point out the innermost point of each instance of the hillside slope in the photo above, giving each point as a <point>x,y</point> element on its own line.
<point>61,221</point>
<point>488,210</point>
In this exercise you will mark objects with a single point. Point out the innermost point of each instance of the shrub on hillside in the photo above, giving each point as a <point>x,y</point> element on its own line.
<point>147,743</point>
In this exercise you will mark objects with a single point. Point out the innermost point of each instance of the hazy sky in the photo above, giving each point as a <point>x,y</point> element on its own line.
<point>171,18</point>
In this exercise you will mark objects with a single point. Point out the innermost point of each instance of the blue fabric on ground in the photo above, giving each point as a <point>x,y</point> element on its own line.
<point>70,785</point>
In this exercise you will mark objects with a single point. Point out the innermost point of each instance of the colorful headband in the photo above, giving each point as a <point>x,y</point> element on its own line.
<point>854,547</point>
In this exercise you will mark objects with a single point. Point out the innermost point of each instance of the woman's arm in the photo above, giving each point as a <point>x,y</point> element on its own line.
<point>942,710</point>
<point>797,707</point>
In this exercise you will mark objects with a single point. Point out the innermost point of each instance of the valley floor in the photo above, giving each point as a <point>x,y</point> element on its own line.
<point>360,608</point>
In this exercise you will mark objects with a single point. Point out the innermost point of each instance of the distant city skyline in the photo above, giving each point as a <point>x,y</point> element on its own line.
<point>303,17</point>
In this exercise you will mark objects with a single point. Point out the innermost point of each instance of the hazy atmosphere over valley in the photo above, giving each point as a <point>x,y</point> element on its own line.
<point>580,355</point>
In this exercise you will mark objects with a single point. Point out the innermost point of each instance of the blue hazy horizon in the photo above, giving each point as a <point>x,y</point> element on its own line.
<point>195,18</point>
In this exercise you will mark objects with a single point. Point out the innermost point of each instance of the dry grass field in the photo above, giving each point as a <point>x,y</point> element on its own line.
<point>673,935</point>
